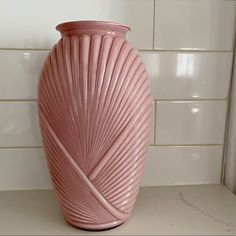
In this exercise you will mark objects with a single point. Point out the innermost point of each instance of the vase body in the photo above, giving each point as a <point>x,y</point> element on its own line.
<point>95,115</point>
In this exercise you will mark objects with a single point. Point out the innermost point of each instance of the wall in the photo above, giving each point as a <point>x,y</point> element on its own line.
<point>230,149</point>
<point>187,47</point>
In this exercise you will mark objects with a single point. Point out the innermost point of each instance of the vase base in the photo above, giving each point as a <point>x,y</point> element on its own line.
<point>95,227</point>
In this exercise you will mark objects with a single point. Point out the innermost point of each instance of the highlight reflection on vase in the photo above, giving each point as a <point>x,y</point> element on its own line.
<point>95,116</point>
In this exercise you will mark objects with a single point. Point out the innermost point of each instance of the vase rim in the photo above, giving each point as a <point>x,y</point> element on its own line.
<point>92,25</point>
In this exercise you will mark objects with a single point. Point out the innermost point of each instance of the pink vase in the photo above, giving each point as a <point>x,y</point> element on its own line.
<point>95,116</point>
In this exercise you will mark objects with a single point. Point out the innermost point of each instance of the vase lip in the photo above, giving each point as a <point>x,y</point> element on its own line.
<point>93,25</point>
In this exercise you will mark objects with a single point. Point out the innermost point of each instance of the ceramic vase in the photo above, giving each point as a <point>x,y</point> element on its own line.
<point>95,115</point>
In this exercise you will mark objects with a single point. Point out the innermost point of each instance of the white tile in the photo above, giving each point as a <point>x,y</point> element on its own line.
<point>31,24</point>
<point>194,24</point>
<point>181,165</point>
<point>19,124</point>
<point>20,71</point>
<point>23,168</point>
<point>186,122</point>
<point>200,75</point>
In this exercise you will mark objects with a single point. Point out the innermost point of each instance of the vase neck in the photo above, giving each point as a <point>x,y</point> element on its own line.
<point>92,27</point>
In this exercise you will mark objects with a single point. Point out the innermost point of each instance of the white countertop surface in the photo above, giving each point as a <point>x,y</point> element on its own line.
<point>185,210</point>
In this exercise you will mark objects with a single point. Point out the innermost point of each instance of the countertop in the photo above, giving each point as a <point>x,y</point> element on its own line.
<point>182,210</point>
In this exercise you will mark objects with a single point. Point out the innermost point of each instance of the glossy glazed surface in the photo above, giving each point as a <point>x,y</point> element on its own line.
<point>95,115</point>
<point>178,121</point>
<point>189,75</point>
<point>164,165</point>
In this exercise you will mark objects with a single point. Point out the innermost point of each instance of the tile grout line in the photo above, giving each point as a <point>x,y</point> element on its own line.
<point>18,100</point>
<point>25,49</point>
<point>21,147</point>
<point>156,145</point>
<point>186,145</point>
<point>185,50</point>
<point>190,100</point>
<point>156,100</point>
<point>154,25</point>
<point>140,50</point>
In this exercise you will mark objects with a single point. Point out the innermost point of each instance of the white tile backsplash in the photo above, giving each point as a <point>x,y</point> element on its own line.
<point>194,24</point>
<point>26,168</point>
<point>189,122</point>
<point>19,124</point>
<point>176,165</point>
<point>184,49</point>
<point>181,75</point>
<point>23,168</point>
<point>33,26</point>
<point>20,71</point>
<point>173,75</point>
